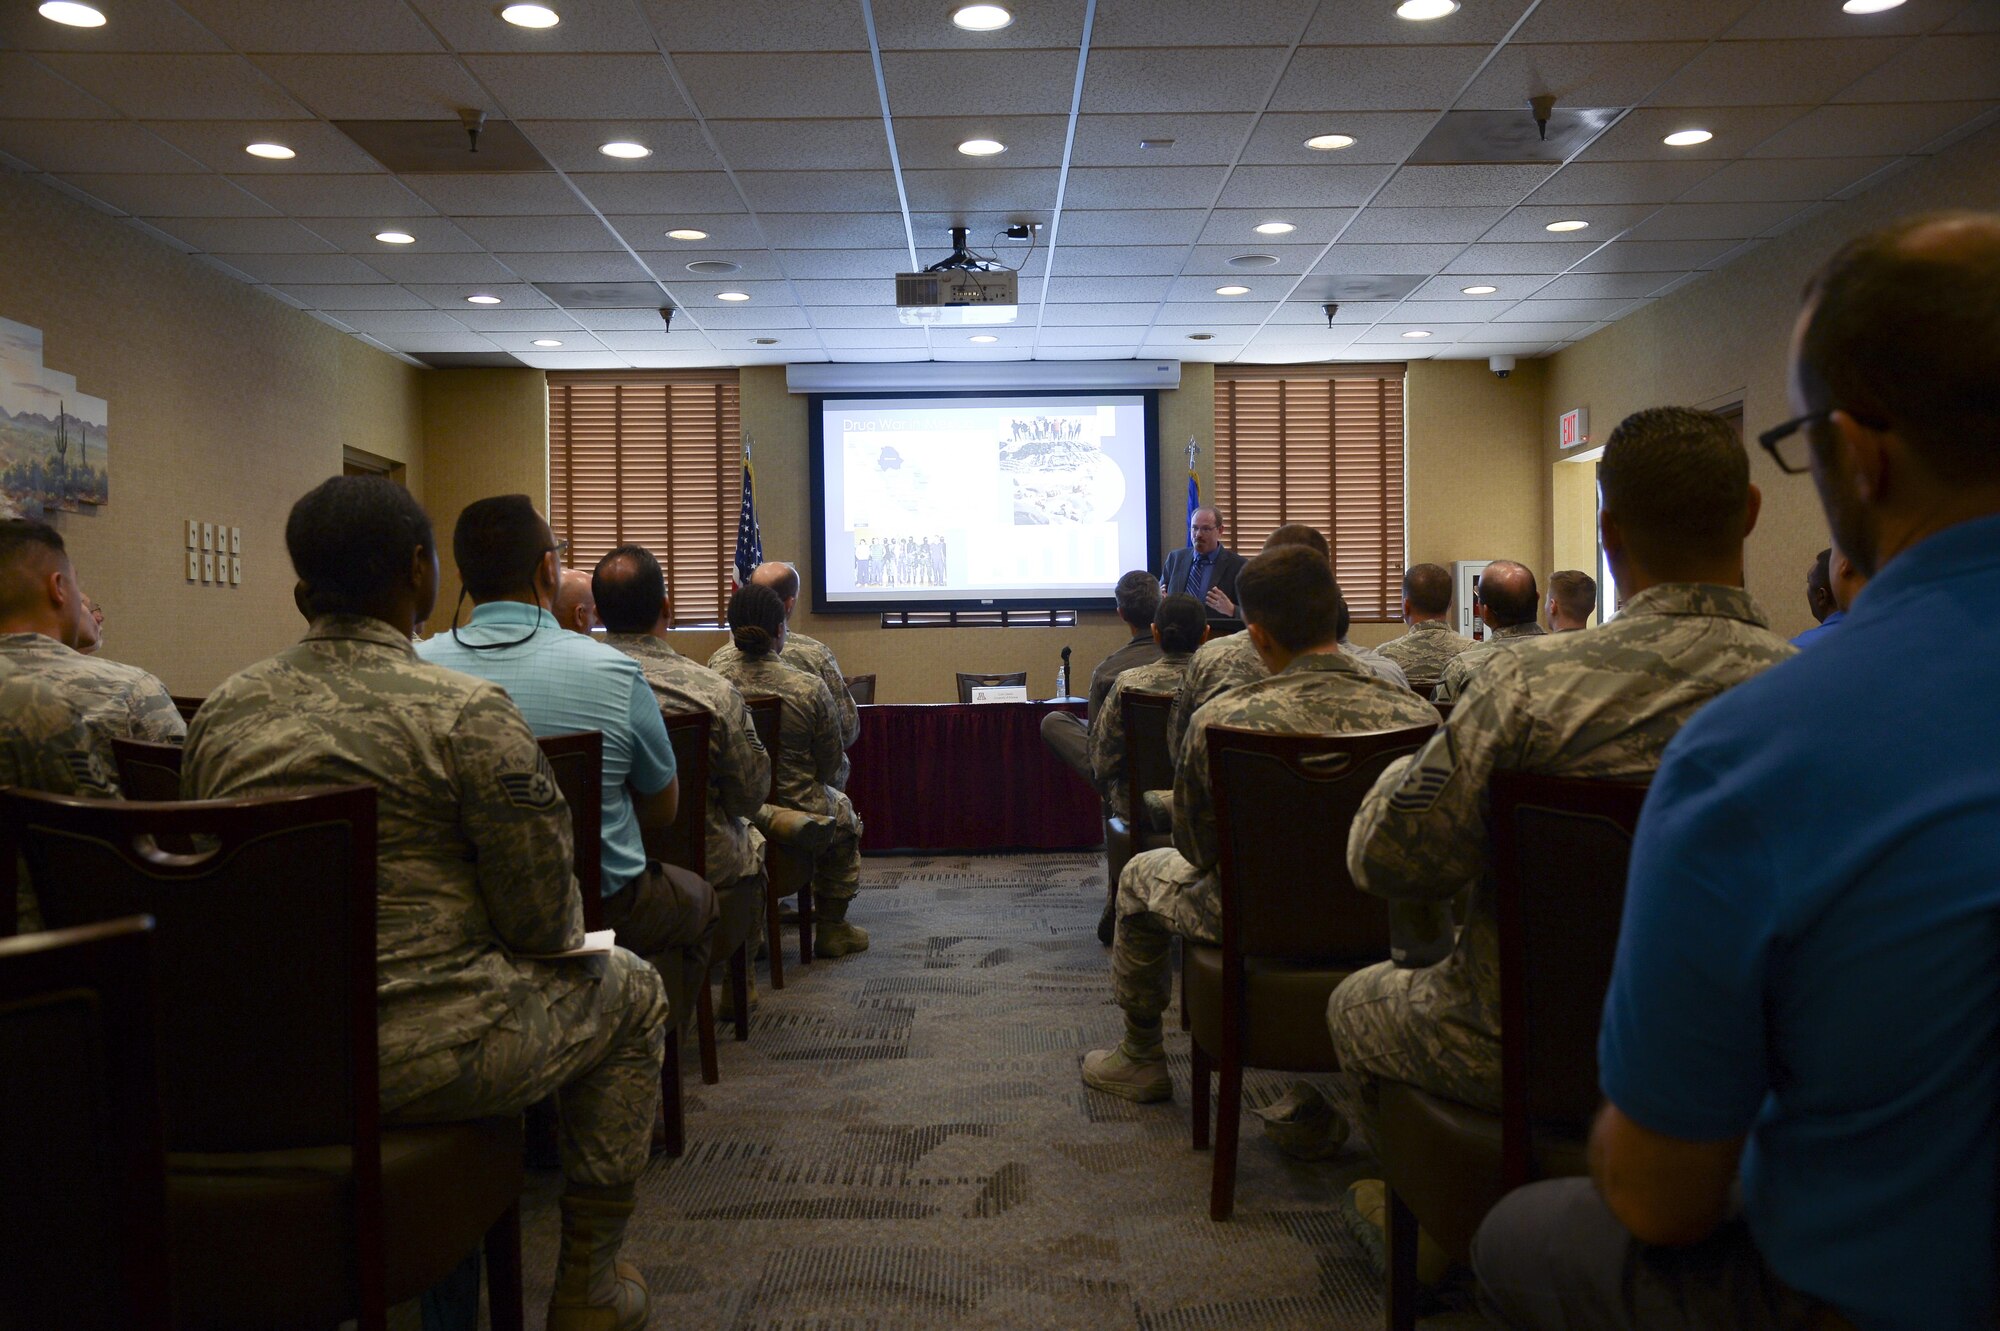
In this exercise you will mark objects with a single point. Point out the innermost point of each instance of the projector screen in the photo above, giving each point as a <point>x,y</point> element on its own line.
<point>981,501</point>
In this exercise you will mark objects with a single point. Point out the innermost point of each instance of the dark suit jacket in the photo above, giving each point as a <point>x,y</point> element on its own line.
<point>1142,650</point>
<point>1227,565</point>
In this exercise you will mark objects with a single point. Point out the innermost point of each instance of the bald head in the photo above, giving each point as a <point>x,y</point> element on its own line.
<point>38,591</point>
<point>576,604</point>
<point>781,578</point>
<point>1507,591</point>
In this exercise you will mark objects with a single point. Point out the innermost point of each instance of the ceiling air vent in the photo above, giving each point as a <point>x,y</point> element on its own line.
<point>604,295</point>
<point>1512,136</point>
<point>441,147</point>
<point>1344,287</point>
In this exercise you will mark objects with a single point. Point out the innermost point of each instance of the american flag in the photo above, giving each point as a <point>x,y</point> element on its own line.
<point>749,541</point>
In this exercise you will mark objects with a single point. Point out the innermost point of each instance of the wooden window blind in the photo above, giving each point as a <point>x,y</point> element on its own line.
<point>654,459</point>
<point>1323,447</point>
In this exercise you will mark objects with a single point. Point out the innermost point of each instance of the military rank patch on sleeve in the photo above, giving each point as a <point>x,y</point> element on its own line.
<point>529,790</point>
<point>1426,779</point>
<point>92,776</point>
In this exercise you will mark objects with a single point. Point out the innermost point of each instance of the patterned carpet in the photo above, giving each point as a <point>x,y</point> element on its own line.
<point>904,1143</point>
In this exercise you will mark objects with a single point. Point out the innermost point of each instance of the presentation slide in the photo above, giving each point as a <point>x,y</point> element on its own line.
<point>1015,499</point>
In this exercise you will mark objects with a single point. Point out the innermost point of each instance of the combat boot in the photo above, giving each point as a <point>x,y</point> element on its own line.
<point>833,936</point>
<point>594,1291</point>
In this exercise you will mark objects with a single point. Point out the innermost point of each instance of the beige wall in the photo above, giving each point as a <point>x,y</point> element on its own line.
<point>225,405</point>
<point>486,432</point>
<point>1724,338</point>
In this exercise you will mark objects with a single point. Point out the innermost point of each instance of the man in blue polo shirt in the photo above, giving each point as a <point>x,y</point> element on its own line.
<point>1806,1001</point>
<point>562,682</point>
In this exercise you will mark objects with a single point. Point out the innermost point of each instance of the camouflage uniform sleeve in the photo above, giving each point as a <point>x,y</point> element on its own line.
<point>1452,682</point>
<point>154,716</point>
<point>513,813</point>
<point>1194,807</point>
<point>843,701</point>
<point>827,751</point>
<point>1420,833</point>
<point>1190,696</point>
<point>742,767</point>
<point>1107,746</point>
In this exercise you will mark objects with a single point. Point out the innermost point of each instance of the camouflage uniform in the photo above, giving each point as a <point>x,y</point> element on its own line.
<point>1174,891</point>
<point>117,701</point>
<point>808,758</point>
<point>1378,665</point>
<point>1426,650</point>
<point>1218,665</point>
<point>46,745</point>
<point>1460,669</point>
<point>473,870</point>
<point>739,771</point>
<point>1599,704</point>
<point>1107,737</point>
<point>815,658</point>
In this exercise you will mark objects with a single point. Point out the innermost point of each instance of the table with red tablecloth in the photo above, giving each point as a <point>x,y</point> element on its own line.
<point>949,776</point>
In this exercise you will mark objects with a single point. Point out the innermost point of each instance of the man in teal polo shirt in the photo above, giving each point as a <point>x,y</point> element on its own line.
<point>563,682</point>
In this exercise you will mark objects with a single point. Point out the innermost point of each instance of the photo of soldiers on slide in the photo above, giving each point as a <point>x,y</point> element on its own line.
<point>899,561</point>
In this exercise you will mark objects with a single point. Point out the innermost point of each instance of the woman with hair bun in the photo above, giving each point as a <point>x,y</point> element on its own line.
<point>809,740</point>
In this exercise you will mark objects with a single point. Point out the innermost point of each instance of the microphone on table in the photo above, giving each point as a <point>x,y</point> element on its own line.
<point>1062,676</point>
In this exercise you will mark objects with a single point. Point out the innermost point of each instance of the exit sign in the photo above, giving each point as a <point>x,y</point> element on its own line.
<point>1574,428</point>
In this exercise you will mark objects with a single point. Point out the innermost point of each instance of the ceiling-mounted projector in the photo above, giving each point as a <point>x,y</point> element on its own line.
<point>961,288</point>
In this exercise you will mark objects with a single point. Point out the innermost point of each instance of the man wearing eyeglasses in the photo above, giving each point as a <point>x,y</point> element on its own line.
<point>1805,1006</point>
<point>1203,568</point>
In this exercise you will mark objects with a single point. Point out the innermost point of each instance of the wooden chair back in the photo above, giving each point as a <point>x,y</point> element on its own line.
<point>1425,691</point>
<point>147,771</point>
<point>1560,850</point>
<point>577,760</point>
<point>861,688</point>
<point>83,1214</point>
<point>187,707</point>
<point>967,683</point>
<point>767,715</point>
<point>686,843</point>
<point>1444,710</point>
<point>1149,763</point>
<point>1283,804</point>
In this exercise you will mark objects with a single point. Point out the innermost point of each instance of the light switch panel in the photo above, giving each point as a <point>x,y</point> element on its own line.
<point>194,565</point>
<point>194,534</point>
<point>208,568</point>
<point>235,540</point>
<point>208,536</point>
<point>235,570</point>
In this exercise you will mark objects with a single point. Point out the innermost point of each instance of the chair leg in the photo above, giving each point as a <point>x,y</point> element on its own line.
<point>1400,1306</point>
<point>704,1032</point>
<point>670,1096</point>
<point>774,936</point>
<point>1187,1021</point>
<point>1228,1122</point>
<point>739,989</point>
<point>1199,1092</point>
<point>503,1272</point>
<point>806,921</point>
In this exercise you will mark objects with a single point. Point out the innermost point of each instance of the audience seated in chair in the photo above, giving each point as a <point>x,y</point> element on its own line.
<point>1677,505</point>
<point>43,624</point>
<point>473,873</point>
<point>1068,736</point>
<point>575,605</point>
<point>1832,583</point>
<point>562,682</point>
<point>1506,605</point>
<point>803,653</point>
<point>1180,625</point>
<point>1572,600</point>
<point>1431,644</point>
<point>1293,608</point>
<point>809,761</point>
<point>1805,1002</point>
<point>45,744</point>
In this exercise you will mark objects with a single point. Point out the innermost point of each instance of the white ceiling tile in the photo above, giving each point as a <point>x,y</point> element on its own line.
<point>1869,131</point>
<point>1464,310</point>
<point>866,355</point>
<point>243,235</point>
<point>932,141</point>
<point>1312,313</point>
<point>171,196</point>
<point>773,316</point>
<point>1155,226</point>
<point>659,192</point>
<point>1583,74</point>
<point>1313,226</point>
<point>452,296</point>
<point>136,25</point>
<point>335,196</point>
<point>178,87</point>
<point>1470,350</point>
<point>1510,288</point>
<point>689,339</point>
<point>1301,186</point>
<point>980,353</point>
<point>573,339</point>
<point>64,146</point>
<point>1224,335</point>
<point>1639,137</point>
<point>1461,186</point>
<point>999,82</point>
<point>1140,187</point>
<point>1244,23</point>
<point>877,290</point>
<point>1118,336</point>
<point>704,294</point>
<point>821,264</point>
<point>759,25</point>
<point>571,145</point>
<point>818,191</point>
<point>1105,290</point>
<point>1630,20</point>
<point>1712,221</point>
<point>1119,260</point>
<point>1773,73</point>
<point>356,235</point>
<point>1302,337</point>
<point>1530,223</point>
<point>500,324</point>
<point>571,360</point>
<point>1559,311</point>
<point>1599,286</point>
<point>548,235</point>
<point>974,189</point>
<point>856,316</point>
<point>1245,310</point>
<point>1346,258</point>
<point>837,339</point>
<point>921,25</point>
<point>932,229</point>
<point>1113,140</point>
<point>1379,137</point>
<point>1391,334</point>
<point>1376,78</point>
<point>1526,257</point>
<point>834,231</point>
<point>734,229</point>
<point>580,87</point>
<point>806,85</point>
<point>1214,259</point>
<point>628,321</point>
<point>1779,179</point>
<point>1977,16</point>
<point>1586,183</point>
<point>1140,82</point>
<point>1523,332</point>
<point>377,87</point>
<point>752,265</point>
<point>1786,19</point>
<point>378,297</point>
<point>1377,25</point>
<point>218,145</point>
<point>1934,69</point>
<point>475,25</point>
<point>292,269</point>
<point>401,321</point>
<point>1129,314</point>
<point>258,26</point>
<point>29,89</point>
<point>1418,226</point>
<point>618,267</point>
<point>804,145</point>
<point>1655,256</point>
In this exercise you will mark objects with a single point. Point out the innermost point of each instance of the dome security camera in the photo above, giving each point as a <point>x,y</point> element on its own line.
<point>1502,366</point>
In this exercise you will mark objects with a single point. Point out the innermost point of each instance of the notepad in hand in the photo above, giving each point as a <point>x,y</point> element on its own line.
<point>594,944</point>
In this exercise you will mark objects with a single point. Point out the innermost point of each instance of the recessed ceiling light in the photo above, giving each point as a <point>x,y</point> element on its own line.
<point>395,238</point>
<point>731,295</point>
<point>982,147</point>
<point>72,15</point>
<point>1572,225</point>
<point>620,148</point>
<point>1232,291</point>
<point>1201,337</point>
<point>982,337</point>
<point>686,233</point>
<point>531,16</point>
<point>276,152</point>
<point>1422,11</point>
<point>981,18</point>
<point>765,341</point>
<point>1479,290</point>
<point>1273,228</point>
<point>547,342</point>
<point>482,300</point>
<point>1253,261</point>
<point>1687,138</point>
<point>1418,332</point>
<point>1869,6</point>
<point>1326,143</point>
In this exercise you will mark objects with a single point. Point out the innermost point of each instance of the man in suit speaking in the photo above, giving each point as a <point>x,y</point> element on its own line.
<point>1202,568</point>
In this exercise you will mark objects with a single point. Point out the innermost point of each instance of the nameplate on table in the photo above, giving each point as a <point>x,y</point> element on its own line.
<point>1000,693</point>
